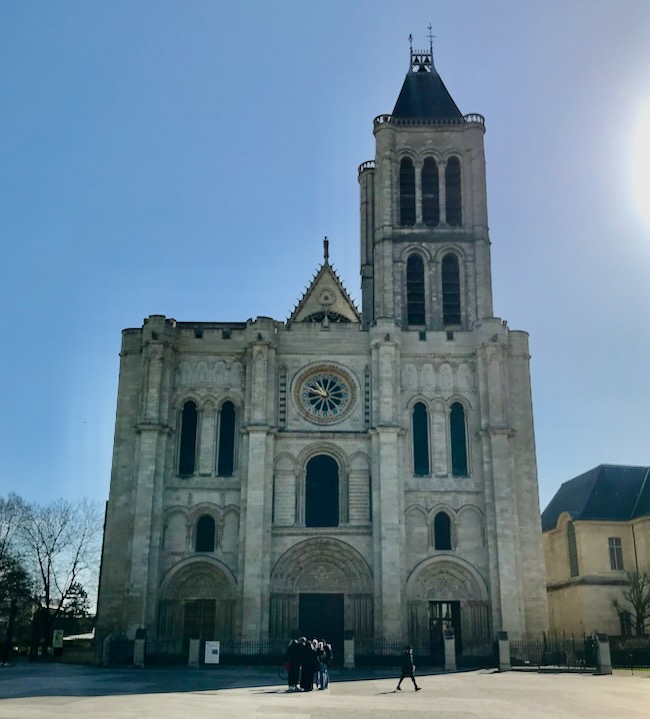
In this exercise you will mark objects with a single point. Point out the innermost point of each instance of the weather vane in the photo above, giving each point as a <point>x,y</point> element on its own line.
<point>431,36</point>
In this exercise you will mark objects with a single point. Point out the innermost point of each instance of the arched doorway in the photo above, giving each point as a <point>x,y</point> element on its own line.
<point>447,593</point>
<point>320,587</point>
<point>197,599</point>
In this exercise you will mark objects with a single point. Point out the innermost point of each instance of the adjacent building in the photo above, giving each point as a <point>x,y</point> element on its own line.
<point>596,528</point>
<point>371,471</point>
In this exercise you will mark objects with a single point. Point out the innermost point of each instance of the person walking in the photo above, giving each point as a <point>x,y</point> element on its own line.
<point>408,669</point>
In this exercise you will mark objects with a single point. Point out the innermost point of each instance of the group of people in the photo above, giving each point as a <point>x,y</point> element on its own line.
<point>308,663</point>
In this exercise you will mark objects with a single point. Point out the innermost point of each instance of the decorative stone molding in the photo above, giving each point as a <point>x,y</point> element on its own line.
<point>445,580</point>
<point>203,373</point>
<point>321,564</point>
<point>198,578</point>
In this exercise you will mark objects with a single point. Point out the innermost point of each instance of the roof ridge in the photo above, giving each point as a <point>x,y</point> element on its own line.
<point>640,494</point>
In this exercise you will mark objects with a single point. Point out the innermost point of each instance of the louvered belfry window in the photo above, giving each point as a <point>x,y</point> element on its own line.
<point>450,290</point>
<point>406,192</point>
<point>430,193</point>
<point>415,312</point>
<point>453,192</point>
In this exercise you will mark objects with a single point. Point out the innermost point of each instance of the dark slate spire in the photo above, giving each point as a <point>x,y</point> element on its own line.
<point>424,95</point>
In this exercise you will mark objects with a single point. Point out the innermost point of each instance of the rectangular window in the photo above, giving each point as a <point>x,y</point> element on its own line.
<point>626,624</point>
<point>615,553</point>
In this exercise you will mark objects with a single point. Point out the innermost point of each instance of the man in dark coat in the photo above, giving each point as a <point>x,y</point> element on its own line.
<point>408,669</point>
<point>309,666</point>
<point>292,659</point>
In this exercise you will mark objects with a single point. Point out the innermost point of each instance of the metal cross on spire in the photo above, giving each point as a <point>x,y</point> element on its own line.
<point>431,37</point>
<point>326,249</point>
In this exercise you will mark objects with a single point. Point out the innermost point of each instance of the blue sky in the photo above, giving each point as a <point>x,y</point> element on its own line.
<point>186,158</point>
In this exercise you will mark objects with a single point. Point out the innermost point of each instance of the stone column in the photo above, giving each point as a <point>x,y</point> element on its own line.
<point>194,658</point>
<point>604,655</point>
<point>504,652</point>
<point>348,649</point>
<point>208,426</point>
<point>390,529</point>
<point>388,490</point>
<point>450,650</point>
<point>417,169</point>
<point>256,493</point>
<point>442,193</point>
<point>153,432</point>
<point>502,516</point>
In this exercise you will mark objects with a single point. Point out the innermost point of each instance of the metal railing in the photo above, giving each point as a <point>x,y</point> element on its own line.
<point>554,650</point>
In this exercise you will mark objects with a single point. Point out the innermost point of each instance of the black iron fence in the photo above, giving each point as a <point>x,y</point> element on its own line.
<point>630,652</point>
<point>380,652</point>
<point>232,651</point>
<point>564,651</point>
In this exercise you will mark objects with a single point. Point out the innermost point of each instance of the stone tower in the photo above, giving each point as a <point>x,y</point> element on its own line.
<point>427,301</point>
<point>372,472</point>
<point>425,193</point>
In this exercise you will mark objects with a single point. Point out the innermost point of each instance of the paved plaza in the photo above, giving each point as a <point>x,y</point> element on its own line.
<point>30,691</point>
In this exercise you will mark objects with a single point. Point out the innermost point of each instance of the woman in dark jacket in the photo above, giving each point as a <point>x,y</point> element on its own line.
<point>408,669</point>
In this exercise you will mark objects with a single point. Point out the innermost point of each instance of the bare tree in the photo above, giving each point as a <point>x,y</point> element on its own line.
<point>12,515</point>
<point>635,601</point>
<point>15,582</point>
<point>62,545</point>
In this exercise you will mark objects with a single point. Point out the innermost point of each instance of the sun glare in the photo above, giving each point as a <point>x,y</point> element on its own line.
<point>641,162</point>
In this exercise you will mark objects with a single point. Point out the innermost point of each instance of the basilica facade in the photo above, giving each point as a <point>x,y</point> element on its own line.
<point>371,471</point>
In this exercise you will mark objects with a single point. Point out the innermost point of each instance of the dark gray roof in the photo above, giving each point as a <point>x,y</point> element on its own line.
<point>608,492</point>
<point>424,96</point>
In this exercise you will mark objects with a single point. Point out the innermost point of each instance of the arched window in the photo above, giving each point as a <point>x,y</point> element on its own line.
<point>450,290</point>
<point>420,440</point>
<point>226,446</point>
<point>458,440</point>
<point>442,531</point>
<point>572,548</point>
<point>430,193</point>
<point>453,193</point>
<point>205,532</point>
<point>322,492</point>
<point>415,314</point>
<point>406,192</point>
<point>187,446</point>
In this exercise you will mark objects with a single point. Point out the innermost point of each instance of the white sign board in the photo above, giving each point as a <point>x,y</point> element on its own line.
<point>212,651</point>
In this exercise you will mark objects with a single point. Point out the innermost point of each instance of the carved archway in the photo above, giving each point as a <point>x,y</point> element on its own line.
<point>446,580</point>
<point>197,599</point>
<point>198,579</point>
<point>321,564</point>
